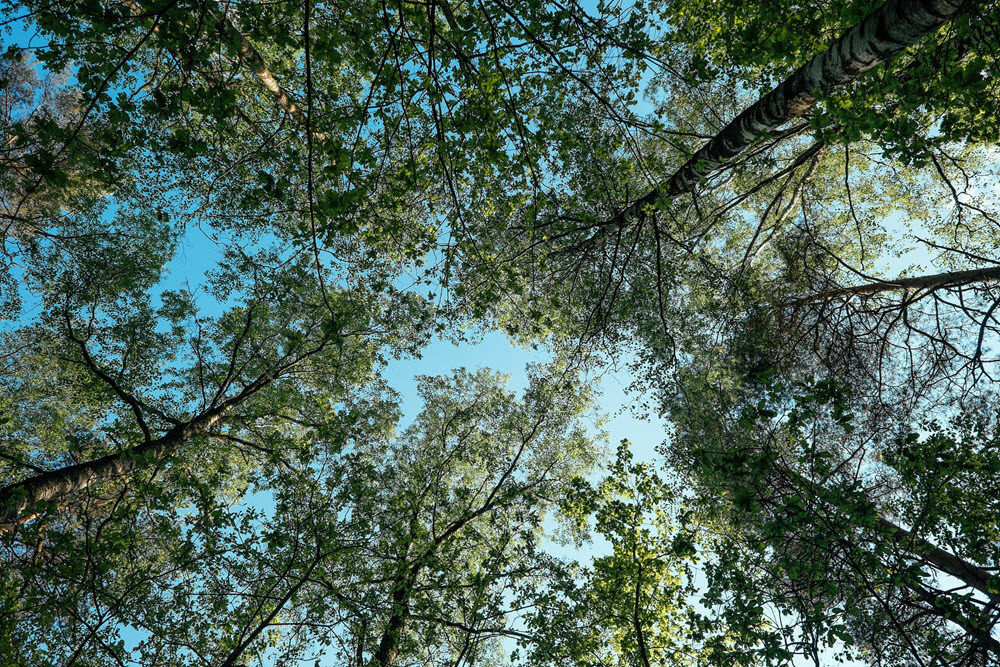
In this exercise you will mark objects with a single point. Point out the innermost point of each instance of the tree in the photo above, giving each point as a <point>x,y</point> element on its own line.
<point>578,243</point>
<point>226,371</point>
<point>354,158</point>
<point>54,172</point>
<point>880,36</point>
<point>850,528</point>
<point>384,104</point>
<point>637,267</point>
<point>938,82</point>
<point>631,606</point>
<point>377,547</point>
<point>680,582</point>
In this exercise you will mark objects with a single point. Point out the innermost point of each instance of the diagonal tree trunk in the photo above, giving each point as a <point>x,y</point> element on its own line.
<point>978,632</point>
<point>881,35</point>
<point>938,604</point>
<point>249,55</point>
<point>968,573</point>
<point>252,57</point>
<point>15,499</point>
<point>929,282</point>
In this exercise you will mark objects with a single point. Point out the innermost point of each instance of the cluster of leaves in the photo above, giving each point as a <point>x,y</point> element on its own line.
<point>836,526</point>
<point>210,474</point>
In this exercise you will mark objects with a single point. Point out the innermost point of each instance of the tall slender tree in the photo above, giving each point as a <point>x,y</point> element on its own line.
<point>825,506</point>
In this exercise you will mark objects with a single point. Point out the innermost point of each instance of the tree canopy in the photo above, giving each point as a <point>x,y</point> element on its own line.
<point>782,220</point>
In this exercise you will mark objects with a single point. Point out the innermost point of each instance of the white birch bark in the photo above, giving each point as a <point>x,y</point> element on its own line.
<point>893,27</point>
<point>21,497</point>
<point>251,57</point>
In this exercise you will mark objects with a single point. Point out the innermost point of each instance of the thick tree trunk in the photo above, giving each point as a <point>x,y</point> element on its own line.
<point>980,634</point>
<point>930,282</point>
<point>46,487</point>
<point>388,647</point>
<point>893,27</point>
<point>966,572</point>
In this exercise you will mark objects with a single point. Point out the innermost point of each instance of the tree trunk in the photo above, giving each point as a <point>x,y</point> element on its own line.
<point>969,574</point>
<point>388,647</point>
<point>640,637</point>
<point>252,57</point>
<point>249,55</point>
<point>980,635</point>
<point>237,652</point>
<point>931,282</point>
<point>55,484</point>
<point>881,35</point>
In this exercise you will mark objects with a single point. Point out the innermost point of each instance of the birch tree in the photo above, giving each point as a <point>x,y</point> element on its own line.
<point>146,395</point>
<point>600,226</point>
<point>846,532</point>
<point>381,547</point>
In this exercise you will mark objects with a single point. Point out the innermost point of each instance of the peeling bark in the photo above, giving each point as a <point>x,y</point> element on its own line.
<point>893,27</point>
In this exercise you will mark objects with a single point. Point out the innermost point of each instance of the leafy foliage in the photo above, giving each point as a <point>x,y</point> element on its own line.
<point>205,467</point>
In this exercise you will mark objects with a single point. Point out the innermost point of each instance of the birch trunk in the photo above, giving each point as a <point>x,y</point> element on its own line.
<point>250,56</point>
<point>881,35</point>
<point>55,484</point>
<point>930,283</point>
